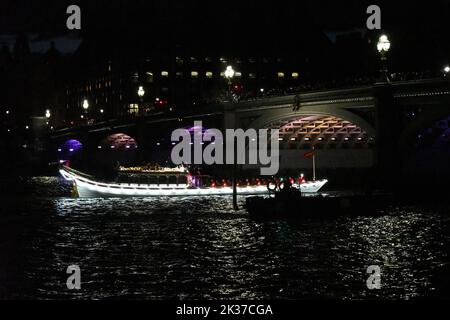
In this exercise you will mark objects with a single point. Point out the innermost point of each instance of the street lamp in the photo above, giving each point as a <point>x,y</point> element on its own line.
<point>229,74</point>
<point>446,70</point>
<point>85,107</point>
<point>141,93</point>
<point>47,114</point>
<point>383,47</point>
<point>383,44</point>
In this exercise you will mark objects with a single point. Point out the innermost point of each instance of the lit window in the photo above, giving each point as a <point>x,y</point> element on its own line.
<point>164,74</point>
<point>179,60</point>
<point>133,108</point>
<point>294,75</point>
<point>209,74</point>
<point>280,74</point>
<point>222,74</point>
<point>193,59</point>
<point>223,60</point>
<point>252,75</point>
<point>194,74</point>
<point>238,74</point>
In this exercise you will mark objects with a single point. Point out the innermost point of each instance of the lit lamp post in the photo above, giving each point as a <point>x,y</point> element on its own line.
<point>141,124</point>
<point>47,116</point>
<point>446,70</point>
<point>85,107</point>
<point>229,74</point>
<point>141,93</point>
<point>383,47</point>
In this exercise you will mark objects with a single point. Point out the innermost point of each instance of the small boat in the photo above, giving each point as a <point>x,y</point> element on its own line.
<point>310,186</point>
<point>293,204</point>
<point>154,182</point>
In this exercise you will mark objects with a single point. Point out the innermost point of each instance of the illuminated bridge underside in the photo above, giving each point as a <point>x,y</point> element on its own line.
<point>120,141</point>
<point>338,143</point>
<point>322,132</point>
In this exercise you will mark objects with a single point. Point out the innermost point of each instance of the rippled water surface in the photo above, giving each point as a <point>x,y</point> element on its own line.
<point>193,248</point>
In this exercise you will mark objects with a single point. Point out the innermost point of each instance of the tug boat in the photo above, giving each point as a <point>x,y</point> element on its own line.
<point>160,181</point>
<point>292,204</point>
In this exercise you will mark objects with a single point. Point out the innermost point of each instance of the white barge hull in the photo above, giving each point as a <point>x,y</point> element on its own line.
<point>89,188</point>
<point>311,186</point>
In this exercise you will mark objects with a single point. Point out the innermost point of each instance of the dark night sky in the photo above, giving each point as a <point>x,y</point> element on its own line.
<point>49,16</point>
<point>411,25</point>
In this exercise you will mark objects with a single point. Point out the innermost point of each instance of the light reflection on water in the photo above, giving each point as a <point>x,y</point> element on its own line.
<point>196,248</point>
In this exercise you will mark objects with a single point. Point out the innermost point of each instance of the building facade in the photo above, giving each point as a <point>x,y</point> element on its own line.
<point>177,81</point>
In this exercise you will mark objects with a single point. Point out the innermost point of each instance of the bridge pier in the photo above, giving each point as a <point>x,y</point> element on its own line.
<point>387,126</point>
<point>142,146</point>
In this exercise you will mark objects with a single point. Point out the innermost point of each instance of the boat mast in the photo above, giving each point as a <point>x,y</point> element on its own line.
<point>235,205</point>
<point>314,164</point>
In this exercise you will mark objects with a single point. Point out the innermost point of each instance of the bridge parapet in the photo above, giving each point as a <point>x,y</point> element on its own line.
<point>419,88</point>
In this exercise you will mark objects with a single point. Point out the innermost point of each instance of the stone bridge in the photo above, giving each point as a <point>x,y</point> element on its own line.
<point>390,126</point>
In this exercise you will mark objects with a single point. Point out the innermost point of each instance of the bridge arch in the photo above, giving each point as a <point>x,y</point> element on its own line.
<point>331,132</point>
<point>69,148</point>
<point>425,146</point>
<point>119,141</point>
<point>116,148</point>
<point>321,131</point>
<point>281,115</point>
<point>424,120</point>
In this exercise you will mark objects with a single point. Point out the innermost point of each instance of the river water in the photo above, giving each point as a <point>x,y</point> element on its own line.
<point>199,248</point>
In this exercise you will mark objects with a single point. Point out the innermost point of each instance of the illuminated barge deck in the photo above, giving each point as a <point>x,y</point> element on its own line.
<point>88,186</point>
